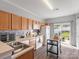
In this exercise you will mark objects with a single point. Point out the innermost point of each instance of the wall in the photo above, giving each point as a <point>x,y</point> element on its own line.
<point>77,29</point>
<point>9,7</point>
<point>60,19</point>
<point>73,32</point>
<point>16,32</point>
<point>71,19</point>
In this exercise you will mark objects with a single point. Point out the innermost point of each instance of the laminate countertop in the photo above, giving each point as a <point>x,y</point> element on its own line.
<point>4,48</point>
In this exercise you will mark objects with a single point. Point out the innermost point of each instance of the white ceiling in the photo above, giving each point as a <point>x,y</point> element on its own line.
<point>39,9</point>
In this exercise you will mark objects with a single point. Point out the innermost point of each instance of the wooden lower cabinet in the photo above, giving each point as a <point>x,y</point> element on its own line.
<point>33,43</point>
<point>27,55</point>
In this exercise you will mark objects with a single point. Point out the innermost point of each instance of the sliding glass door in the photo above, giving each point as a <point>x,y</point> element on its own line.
<point>64,31</point>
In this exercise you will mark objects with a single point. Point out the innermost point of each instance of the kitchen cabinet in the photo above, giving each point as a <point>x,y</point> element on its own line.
<point>27,55</point>
<point>5,21</point>
<point>33,22</point>
<point>36,24</point>
<point>30,24</point>
<point>24,23</point>
<point>33,43</point>
<point>39,24</point>
<point>16,22</point>
<point>10,21</point>
<point>54,47</point>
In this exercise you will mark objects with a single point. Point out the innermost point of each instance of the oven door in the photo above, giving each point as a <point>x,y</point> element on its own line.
<point>4,38</point>
<point>11,37</point>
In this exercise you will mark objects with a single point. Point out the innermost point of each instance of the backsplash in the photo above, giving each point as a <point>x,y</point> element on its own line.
<point>17,32</point>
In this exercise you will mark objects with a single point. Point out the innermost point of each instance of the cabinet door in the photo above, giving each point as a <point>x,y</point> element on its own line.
<point>36,25</point>
<point>30,24</point>
<point>33,43</point>
<point>27,55</point>
<point>24,23</point>
<point>5,21</point>
<point>16,22</point>
<point>9,22</point>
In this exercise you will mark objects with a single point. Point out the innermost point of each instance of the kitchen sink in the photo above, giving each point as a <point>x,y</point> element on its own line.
<point>18,47</point>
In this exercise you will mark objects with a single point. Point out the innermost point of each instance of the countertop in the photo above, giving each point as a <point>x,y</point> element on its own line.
<point>4,48</point>
<point>26,38</point>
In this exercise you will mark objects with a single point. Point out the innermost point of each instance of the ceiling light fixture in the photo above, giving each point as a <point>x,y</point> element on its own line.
<point>48,4</point>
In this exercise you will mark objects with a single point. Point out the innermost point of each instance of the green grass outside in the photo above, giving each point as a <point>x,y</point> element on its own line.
<point>65,35</point>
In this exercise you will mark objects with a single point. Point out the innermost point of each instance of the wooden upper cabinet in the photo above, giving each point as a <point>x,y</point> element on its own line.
<point>33,24</point>
<point>30,23</point>
<point>16,22</point>
<point>24,23</point>
<point>5,21</point>
<point>10,21</point>
<point>39,24</point>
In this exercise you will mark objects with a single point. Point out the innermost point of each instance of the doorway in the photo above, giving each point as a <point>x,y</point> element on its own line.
<point>64,32</point>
